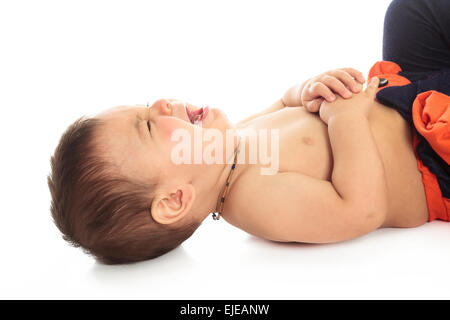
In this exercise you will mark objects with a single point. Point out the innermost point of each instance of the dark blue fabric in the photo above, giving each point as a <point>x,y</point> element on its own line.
<point>402,97</point>
<point>417,35</point>
<point>417,38</point>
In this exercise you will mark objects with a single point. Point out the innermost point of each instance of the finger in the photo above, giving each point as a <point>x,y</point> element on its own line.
<point>355,74</point>
<point>372,87</point>
<point>347,80</point>
<point>337,86</point>
<point>314,106</point>
<point>317,90</point>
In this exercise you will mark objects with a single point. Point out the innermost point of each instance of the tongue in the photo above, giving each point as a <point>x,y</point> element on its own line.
<point>197,112</point>
<point>195,115</point>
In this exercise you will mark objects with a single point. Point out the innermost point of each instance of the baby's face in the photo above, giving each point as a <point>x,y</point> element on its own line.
<point>139,142</point>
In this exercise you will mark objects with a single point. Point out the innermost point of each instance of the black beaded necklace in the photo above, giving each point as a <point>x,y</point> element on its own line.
<point>221,201</point>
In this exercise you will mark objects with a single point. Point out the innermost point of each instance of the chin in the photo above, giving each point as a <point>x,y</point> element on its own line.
<point>220,120</point>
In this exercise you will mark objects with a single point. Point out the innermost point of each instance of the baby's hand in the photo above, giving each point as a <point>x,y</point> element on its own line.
<point>360,104</point>
<point>324,86</point>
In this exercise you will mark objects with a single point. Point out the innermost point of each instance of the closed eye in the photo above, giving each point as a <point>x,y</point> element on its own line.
<point>149,126</point>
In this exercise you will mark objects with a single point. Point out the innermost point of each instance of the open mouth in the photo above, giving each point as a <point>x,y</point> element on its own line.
<point>196,117</point>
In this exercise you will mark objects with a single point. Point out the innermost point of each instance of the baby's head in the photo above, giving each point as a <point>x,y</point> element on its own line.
<point>116,191</point>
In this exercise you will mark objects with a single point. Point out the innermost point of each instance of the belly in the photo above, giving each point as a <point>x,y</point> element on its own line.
<point>304,147</point>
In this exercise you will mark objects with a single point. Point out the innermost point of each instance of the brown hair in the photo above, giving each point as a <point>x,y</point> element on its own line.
<point>105,214</point>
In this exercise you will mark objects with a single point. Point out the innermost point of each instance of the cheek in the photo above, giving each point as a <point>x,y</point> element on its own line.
<point>167,128</point>
<point>169,124</point>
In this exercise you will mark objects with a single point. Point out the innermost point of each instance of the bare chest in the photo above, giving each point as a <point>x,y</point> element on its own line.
<point>298,138</point>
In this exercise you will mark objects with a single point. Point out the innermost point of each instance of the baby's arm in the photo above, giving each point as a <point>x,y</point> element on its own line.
<point>312,92</point>
<point>293,207</point>
<point>358,172</point>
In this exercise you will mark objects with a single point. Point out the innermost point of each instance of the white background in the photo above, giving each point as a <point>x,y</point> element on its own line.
<point>64,59</point>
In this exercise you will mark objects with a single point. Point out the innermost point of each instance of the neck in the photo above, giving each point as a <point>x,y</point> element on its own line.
<point>216,185</point>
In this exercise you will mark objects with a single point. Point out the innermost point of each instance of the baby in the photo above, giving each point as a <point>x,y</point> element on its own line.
<point>346,165</point>
<point>119,195</point>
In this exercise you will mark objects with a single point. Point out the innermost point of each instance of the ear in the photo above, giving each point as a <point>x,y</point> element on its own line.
<point>171,206</point>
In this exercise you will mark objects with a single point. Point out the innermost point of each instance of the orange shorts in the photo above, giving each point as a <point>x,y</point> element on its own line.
<point>430,114</point>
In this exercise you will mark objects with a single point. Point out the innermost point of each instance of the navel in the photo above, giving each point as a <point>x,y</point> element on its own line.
<point>308,141</point>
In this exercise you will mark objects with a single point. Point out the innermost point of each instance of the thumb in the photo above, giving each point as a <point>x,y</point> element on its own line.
<point>372,87</point>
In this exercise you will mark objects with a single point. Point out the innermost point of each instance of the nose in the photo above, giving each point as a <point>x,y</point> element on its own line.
<point>163,106</point>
